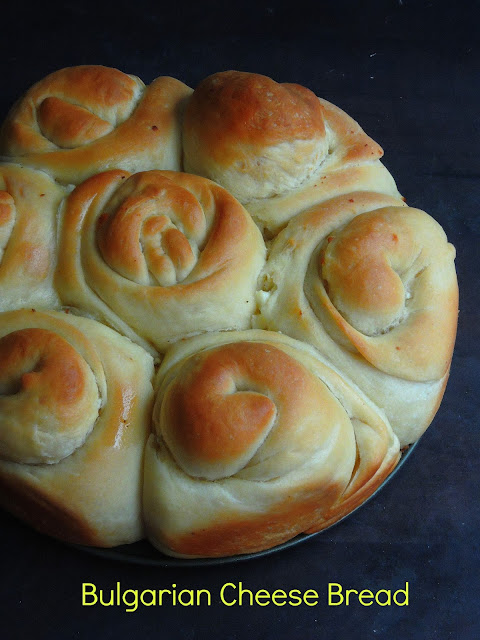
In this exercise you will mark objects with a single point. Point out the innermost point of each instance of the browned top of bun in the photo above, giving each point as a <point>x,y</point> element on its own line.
<point>165,253</point>
<point>238,108</point>
<point>81,120</point>
<point>277,148</point>
<point>226,402</point>
<point>255,440</point>
<point>75,401</point>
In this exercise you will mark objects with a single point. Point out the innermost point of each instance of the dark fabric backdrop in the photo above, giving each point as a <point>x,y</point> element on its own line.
<point>408,71</point>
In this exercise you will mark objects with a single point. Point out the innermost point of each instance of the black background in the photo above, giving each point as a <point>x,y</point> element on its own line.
<point>408,71</point>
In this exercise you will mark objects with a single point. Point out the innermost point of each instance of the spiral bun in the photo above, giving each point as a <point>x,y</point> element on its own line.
<point>372,286</point>
<point>74,416</point>
<point>81,120</point>
<point>256,440</point>
<point>159,255</point>
<point>50,399</point>
<point>277,147</point>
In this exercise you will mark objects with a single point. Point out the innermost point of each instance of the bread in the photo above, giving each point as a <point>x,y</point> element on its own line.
<point>159,255</point>
<point>372,286</point>
<point>255,441</point>
<point>82,120</point>
<point>29,203</point>
<point>75,413</point>
<point>277,147</point>
<point>245,238</point>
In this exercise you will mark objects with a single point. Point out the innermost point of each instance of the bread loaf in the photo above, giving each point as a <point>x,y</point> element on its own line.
<point>247,239</point>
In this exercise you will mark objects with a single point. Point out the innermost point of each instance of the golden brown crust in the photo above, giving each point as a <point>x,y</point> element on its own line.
<point>371,285</point>
<point>296,448</point>
<point>81,120</point>
<point>230,535</point>
<point>203,410</point>
<point>238,109</point>
<point>392,290</point>
<point>49,397</point>
<point>276,147</point>
<point>89,493</point>
<point>162,246</point>
<point>256,436</point>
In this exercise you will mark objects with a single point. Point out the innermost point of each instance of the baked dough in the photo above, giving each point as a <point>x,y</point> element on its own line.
<point>82,120</point>
<point>372,286</point>
<point>29,204</point>
<point>159,255</point>
<point>256,440</point>
<point>75,403</point>
<point>277,147</point>
<point>295,365</point>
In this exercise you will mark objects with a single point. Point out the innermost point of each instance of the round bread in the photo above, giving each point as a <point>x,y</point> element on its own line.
<point>250,436</point>
<point>277,147</point>
<point>82,120</point>
<point>159,255</point>
<point>75,402</point>
<point>29,204</point>
<point>256,440</point>
<point>372,286</point>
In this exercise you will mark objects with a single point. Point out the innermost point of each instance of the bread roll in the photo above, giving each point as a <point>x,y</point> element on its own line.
<point>255,441</point>
<point>372,286</point>
<point>81,120</point>
<point>277,147</point>
<point>75,402</point>
<point>29,203</point>
<point>159,255</point>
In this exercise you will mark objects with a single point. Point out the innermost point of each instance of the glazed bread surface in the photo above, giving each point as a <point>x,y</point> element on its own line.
<point>246,238</point>
<point>372,285</point>
<point>277,147</point>
<point>82,120</point>
<point>256,440</point>
<point>159,255</point>
<point>74,417</point>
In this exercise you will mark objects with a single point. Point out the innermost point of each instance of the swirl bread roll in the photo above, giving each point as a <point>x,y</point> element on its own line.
<point>255,441</point>
<point>159,255</point>
<point>29,203</point>
<point>82,120</point>
<point>277,147</point>
<point>372,285</point>
<point>75,403</point>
